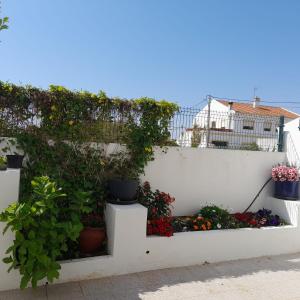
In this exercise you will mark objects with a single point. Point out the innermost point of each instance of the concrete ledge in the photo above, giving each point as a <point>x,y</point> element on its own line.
<point>132,251</point>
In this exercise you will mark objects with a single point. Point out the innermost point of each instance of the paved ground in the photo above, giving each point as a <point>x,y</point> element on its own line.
<point>275,277</point>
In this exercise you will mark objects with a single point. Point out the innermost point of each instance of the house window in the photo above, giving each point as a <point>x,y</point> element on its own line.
<point>213,124</point>
<point>248,124</point>
<point>267,126</point>
<point>220,144</point>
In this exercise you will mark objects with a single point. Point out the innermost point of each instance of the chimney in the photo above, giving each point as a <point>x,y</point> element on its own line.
<point>256,102</point>
<point>230,106</point>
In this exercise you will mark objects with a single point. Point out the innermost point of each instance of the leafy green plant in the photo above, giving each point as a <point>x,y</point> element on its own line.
<point>250,147</point>
<point>220,218</point>
<point>3,23</point>
<point>120,166</point>
<point>148,130</point>
<point>196,136</point>
<point>158,203</point>
<point>93,220</point>
<point>61,133</point>
<point>79,117</point>
<point>42,224</point>
<point>73,166</point>
<point>2,161</point>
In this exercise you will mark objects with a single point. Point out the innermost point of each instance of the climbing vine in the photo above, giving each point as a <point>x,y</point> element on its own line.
<point>70,119</point>
<point>63,135</point>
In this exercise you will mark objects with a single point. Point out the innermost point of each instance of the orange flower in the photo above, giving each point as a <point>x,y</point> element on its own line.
<point>196,227</point>
<point>203,227</point>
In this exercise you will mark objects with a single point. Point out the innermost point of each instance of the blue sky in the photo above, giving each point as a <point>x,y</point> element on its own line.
<point>167,49</point>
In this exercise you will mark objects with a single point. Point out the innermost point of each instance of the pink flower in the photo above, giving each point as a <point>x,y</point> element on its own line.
<point>285,173</point>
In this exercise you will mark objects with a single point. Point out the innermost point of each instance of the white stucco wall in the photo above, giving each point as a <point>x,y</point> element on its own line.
<point>196,177</point>
<point>133,251</point>
<point>292,142</point>
<point>9,193</point>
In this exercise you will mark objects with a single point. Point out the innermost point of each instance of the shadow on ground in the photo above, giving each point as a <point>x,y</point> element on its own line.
<point>250,279</point>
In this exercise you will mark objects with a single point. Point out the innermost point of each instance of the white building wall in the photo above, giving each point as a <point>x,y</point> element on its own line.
<point>292,141</point>
<point>222,117</point>
<point>218,114</point>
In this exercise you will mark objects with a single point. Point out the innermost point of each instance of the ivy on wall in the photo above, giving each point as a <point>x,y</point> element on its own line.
<point>59,114</point>
<point>59,132</point>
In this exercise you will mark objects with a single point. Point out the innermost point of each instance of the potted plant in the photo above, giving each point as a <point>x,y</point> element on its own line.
<point>123,183</point>
<point>3,166</point>
<point>286,180</point>
<point>14,161</point>
<point>93,234</point>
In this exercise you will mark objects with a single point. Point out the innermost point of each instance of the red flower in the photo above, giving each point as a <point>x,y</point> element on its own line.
<point>161,226</point>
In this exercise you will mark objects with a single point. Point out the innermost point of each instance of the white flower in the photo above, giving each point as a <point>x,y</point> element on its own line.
<point>219,225</point>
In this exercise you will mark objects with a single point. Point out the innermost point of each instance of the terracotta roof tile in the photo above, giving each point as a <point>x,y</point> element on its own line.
<point>261,110</point>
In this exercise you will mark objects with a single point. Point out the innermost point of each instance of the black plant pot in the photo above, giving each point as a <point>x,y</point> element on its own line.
<point>287,190</point>
<point>14,161</point>
<point>123,191</point>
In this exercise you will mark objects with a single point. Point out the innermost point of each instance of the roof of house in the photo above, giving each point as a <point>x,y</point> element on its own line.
<point>262,110</point>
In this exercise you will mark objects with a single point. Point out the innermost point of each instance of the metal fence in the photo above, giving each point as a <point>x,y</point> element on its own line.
<point>192,127</point>
<point>107,127</point>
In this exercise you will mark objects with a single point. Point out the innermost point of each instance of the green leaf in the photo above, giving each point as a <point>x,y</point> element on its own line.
<point>7,260</point>
<point>24,281</point>
<point>31,235</point>
<point>52,274</point>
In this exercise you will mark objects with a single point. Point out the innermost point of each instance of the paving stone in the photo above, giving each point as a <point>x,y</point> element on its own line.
<point>97,289</point>
<point>64,291</point>
<point>27,294</point>
<point>272,278</point>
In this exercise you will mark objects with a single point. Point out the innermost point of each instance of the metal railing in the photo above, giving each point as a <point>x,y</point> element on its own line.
<point>192,127</point>
<point>189,127</point>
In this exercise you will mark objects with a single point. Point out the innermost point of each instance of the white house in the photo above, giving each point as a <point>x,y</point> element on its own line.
<point>236,125</point>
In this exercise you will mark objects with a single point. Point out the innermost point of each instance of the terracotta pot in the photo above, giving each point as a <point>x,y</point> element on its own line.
<point>91,239</point>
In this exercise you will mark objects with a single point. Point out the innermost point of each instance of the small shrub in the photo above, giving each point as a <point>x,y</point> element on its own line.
<point>3,161</point>
<point>42,225</point>
<point>250,147</point>
<point>262,217</point>
<point>159,212</point>
<point>220,218</point>
<point>158,203</point>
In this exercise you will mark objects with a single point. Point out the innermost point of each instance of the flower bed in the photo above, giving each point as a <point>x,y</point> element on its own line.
<point>198,222</point>
<point>161,222</point>
<point>261,218</point>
